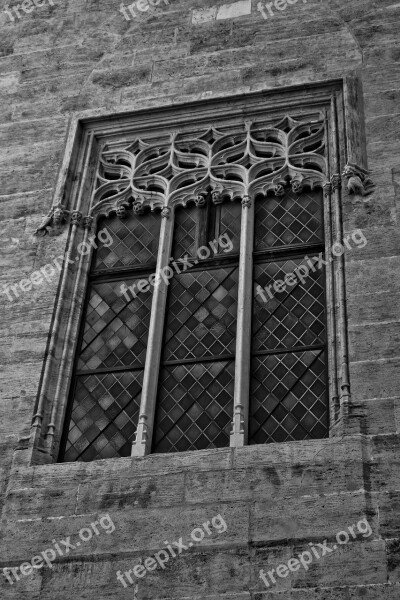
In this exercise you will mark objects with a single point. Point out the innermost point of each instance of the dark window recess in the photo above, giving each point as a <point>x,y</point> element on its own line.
<point>288,394</point>
<point>107,384</point>
<point>195,395</point>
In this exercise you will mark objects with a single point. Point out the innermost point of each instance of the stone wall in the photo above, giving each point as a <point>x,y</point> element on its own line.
<point>72,56</point>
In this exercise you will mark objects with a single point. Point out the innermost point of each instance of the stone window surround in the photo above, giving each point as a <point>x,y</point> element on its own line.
<point>340,102</point>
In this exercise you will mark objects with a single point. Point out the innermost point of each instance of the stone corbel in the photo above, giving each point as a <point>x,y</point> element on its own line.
<point>52,222</point>
<point>201,200</point>
<point>358,182</point>
<point>216,196</point>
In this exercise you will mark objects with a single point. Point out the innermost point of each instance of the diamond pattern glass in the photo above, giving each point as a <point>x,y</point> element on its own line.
<point>195,399</point>
<point>134,241</point>
<point>185,231</point>
<point>104,416</point>
<point>293,317</point>
<point>201,316</point>
<point>288,397</point>
<point>231,214</point>
<point>194,407</point>
<point>106,397</point>
<point>116,329</point>
<point>289,220</point>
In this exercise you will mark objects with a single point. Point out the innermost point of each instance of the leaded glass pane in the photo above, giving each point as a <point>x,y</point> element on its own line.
<point>185,232</point>
<point>231,214</point>
<point>195,399</point>
<point>288,220</point>
<point>294,316</point>
<point>104,416</point>
<point>106,397</point>
<point>288,397</point>
<point>194,406</point>
<point>116,329</point>
<point>201,316</point>
<point>134,241</point>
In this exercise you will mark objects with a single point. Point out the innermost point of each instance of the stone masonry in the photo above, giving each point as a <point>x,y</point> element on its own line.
<point>59,59</point>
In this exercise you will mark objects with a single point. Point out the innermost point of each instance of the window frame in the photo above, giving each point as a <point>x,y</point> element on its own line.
<point>339,102</point>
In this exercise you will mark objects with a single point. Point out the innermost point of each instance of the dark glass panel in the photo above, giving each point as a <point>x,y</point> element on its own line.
<point>293,317</point>
<point>288,399</point>
<point>185,231</point>
<point>116,329</point>
<point>289,220</point>
<point>104,416</point>
<point>231,215</point>
<point>201,315</point>
<point>134,241</point>
<point>194,407</point>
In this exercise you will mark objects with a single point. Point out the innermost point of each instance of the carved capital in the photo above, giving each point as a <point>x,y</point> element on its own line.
<point>52,222</point>
<point>200,201</point>
<point>327,187</point>
<point>76,217</point>
<point>246,202</point>
<point>216,197</point>
<point>336,182</point>
<point>358,182</point>
<point>279,190</point>
<point>121,212</point>
<point>165,213</point>
<point>297,186</point>
<point>88,222</point>
<point>138,208</point>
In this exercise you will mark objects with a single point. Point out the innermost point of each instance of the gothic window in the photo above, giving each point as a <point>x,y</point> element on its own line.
<point>206,356</point>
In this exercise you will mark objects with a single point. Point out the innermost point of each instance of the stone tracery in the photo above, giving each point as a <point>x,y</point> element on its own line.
<point>252,159</point>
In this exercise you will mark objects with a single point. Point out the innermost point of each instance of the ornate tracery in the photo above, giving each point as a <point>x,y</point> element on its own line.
<point>180,167</point>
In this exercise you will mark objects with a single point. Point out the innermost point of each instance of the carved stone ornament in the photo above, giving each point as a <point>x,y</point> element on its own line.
<point>297,186</point>
<point>327,189</point>
<point>279,190</point>
<point>165,213</point>
<point>138,208</point>
<point>358,182</point>
<point>175,168</point>
<point>52,222</point>
<point>336,182</point>
<point>121,212</point>
<point>88,222</point>
<point>200,201</point>
<point>216,197</point>
<point>246,202</point>
<point>76,217</point>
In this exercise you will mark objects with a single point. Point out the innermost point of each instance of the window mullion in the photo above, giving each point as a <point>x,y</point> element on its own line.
<point>144,433</point>
<point>239,434</point>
